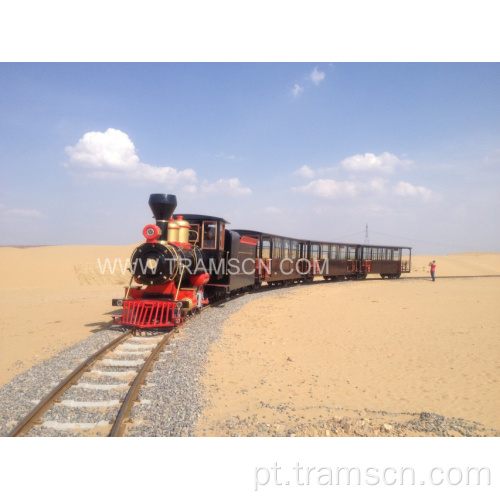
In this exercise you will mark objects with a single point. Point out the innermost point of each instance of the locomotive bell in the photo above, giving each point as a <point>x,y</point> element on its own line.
<point>163,207</point>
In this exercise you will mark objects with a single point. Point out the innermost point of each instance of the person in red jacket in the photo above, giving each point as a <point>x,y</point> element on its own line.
<point>433,270</point>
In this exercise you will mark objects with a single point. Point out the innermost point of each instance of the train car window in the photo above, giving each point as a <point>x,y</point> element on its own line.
<point>209,240</point>
<point>286,249</point>
<point>194,233</point>
<point>397,254</point>
<point>367,253</point>
<point>302,250</point>
<point>334,250</point>
<point>277,248</point>
<point>266,248</point>
<point>315,251</point>
<point>324,251</point>
<point>343,252</point>
<point>351,253</point>
<point>222,234</point>
<point>295,250</point>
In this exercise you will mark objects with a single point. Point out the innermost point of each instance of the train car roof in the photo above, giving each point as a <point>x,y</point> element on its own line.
<point>248,232</point>
<point>201,217</point>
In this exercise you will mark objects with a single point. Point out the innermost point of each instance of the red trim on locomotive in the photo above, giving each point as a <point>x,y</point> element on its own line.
<point>246,240</point>
<point>151,233</point>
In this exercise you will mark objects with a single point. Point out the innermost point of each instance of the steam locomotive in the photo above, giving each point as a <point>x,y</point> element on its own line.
<point>189,261</point>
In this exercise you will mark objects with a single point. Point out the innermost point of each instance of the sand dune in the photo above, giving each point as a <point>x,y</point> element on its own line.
<point>464,264</point>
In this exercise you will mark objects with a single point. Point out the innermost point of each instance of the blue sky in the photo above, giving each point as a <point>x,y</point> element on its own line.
<point>313,150</point>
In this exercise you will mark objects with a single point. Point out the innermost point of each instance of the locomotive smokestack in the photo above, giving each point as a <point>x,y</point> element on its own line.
<point>163,207</point>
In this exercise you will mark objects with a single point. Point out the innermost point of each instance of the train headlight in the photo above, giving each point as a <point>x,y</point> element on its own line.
<point>151,232</point>
<point>179,304</point>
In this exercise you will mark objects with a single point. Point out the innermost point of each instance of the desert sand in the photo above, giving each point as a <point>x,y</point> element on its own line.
<point>381,346</point>
<point>53,297</point>
<point>351,350</point>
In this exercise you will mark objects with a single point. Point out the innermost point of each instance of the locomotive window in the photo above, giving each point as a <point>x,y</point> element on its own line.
<point>209,235</point>
<point>266,248</point>
<point>222,234</point>
<point>324,251</point>
<point>194,233</point>
<point>286,249</point>
<point>277,248</point>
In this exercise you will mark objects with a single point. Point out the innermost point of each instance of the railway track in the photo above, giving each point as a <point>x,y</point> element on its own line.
<point>107,382</point>
<point>125,362</point>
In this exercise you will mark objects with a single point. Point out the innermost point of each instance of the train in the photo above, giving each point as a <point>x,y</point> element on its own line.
<point>189,261</point>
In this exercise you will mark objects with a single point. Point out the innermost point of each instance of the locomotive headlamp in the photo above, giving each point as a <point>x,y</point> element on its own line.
<point>151,232</point>
<point>179,304</point>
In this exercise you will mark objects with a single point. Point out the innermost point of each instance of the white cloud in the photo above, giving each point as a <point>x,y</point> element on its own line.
<point>224,156</point>
<point>297,90</point>
<point>190,189</point>
<point>492,159</point>
<point>232,187</point>
<point>376,185</point>
<point>368,162</point>
<point>328,188</point>
<point>272,210</point>
<point>25,213</point>
<point>409,190</point>
<point>112,155</point>
<point>305,171</point>
<point>316,76</point>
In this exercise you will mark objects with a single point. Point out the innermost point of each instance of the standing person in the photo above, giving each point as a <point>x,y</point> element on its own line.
<point>433,270</point>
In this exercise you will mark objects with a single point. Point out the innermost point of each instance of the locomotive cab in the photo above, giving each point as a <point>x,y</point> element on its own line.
<point>209,234</point>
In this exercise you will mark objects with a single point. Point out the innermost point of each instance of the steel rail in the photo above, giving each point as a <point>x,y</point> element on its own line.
<point>41,408</point>
<point>118,428</point>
